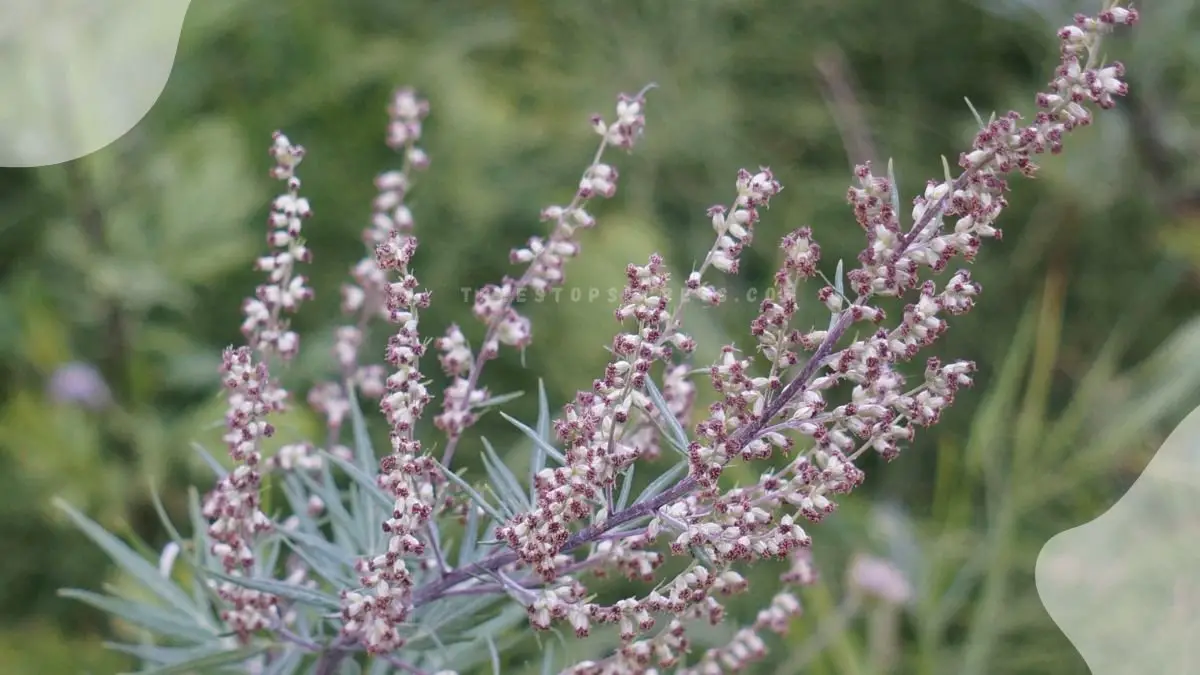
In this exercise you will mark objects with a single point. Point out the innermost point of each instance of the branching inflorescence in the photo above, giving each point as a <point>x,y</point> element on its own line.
<point>775,401</point>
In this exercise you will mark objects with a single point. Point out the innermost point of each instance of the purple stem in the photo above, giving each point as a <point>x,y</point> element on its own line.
<point>744,435</point>
<point>678,491</point>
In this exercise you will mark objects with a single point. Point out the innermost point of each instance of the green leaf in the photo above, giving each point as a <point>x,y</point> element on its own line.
<point>300,594</point>
<point>364,481</point>
<point>314,542</point>
<point>495,655</point>
<point>149,617</point>
<point>145,573</point>
<point>661,483</point>
<point>366,518</point>
<point>192,554</point>
<point>162,656</point>
<point>504,480</point>
<point>895,206</point>
<point>975,113</point>
<point>380,667</point>
<point>677,435</point>
<point>324,558</point>
<point>285,663</point>
<point>164,518</point>
<point>475,496</point>
<point>298,501</point>
<point>543,420</point>
<point>268,556</point>
<point>466,652</point>
<point>201,557</point>
<point>498,400</point>
<point>537,439</point>
<point>210,460</point>
<point>364,453</point>
<point>206,664</point>
<point>626,486</point>
<point>838,285</point>
<point>346,531</point>
<point>543,431</point>
<point>466,550</point>
<point>456,608</point>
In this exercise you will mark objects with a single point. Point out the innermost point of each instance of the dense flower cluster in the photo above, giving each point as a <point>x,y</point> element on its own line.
<point>265,327</point>
<point>810,400</point>
<point>233,508</point>
<point>408,475</point>
<point>366,298</point>
<point>545,258</point>
<point>757,416</point>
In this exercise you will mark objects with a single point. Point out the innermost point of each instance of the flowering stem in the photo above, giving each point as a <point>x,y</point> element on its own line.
<point>685,486</point>
<point>494,325</point>
<point>592,533</point>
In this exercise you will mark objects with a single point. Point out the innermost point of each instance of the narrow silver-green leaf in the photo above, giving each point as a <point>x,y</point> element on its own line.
<point>626,486</point>
<point>543,420</point>
<point>136,566</point>
<point>285,663</point>
<point>154,654</point>
<point>839,286</point>
<point>363,480</point>
<point>317,545</point>
<point>345,531</point>
<point>268,556</point>
<point>668,418</point>
<point>475,496</point>
<point>210,460</point>
<point>324,558</point>
<point>294,492</point>
<point>505,508</point>
<point>495,655</point>
<point>467,653</point>
<point>154,619</point>
<point>300,594</point>
<point>661,483</point>
<point>433,618</point>
<point>164,518</point>
<point>366,518</point>
<point>975,113</point>
<point>895,201</point>
<point>202,595</point>
<point>504,480</point>
<point>548,660</point>
<point>538,461</point>
<point>364,454</point>
<point>466,550</point>
<point>536,438</point>
<point>207,664</point>
<point>194,555</point>
<point>498,400</point>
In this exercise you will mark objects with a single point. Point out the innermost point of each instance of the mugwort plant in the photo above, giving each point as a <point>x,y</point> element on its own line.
<point>402,564</point>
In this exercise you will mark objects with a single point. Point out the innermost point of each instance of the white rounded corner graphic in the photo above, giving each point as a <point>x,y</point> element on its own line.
<point>76,75</point>
<point>1125,587</point>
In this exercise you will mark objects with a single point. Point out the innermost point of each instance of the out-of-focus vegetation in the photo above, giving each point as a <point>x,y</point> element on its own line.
<point>136,258</point>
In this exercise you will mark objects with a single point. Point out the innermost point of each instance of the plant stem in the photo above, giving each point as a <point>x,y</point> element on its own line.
<point>744,435</point>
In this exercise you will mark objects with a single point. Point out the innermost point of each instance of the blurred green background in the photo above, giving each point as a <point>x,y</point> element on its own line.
<point>136,258</point>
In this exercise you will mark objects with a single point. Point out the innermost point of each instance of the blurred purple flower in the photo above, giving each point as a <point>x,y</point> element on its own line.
<point>79,383</point>
<point>880,579</point>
